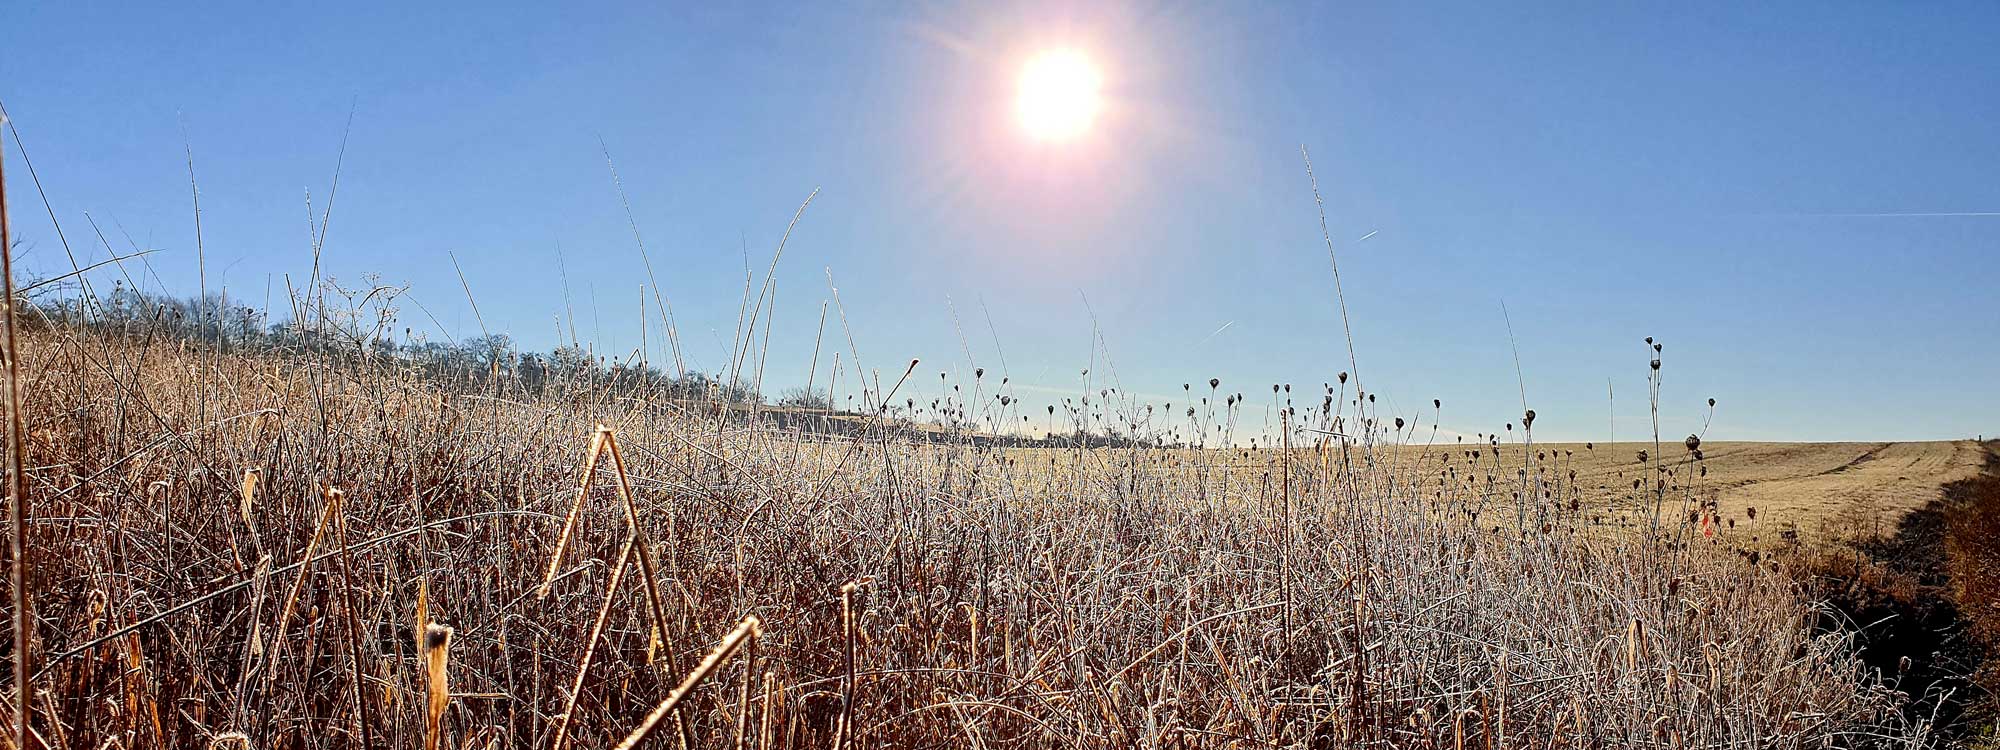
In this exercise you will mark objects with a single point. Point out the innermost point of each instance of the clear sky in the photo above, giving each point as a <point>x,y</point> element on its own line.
<point>1799,200</point>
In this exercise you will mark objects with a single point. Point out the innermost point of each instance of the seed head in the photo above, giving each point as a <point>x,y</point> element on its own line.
<point>436,636</point>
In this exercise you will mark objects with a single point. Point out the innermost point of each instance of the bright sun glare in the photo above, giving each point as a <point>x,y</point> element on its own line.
<point>1058,97</point>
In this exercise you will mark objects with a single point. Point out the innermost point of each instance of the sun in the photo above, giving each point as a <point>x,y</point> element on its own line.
<point>1058,96</point>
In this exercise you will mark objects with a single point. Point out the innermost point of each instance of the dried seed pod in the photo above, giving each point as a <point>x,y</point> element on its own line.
<point>437,657</point>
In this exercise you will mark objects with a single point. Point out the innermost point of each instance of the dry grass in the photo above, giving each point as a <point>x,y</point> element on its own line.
<point>908,594</point>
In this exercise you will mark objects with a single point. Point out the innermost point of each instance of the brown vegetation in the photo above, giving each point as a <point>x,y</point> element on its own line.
<point>267,551</point>
<point>1922,598</point>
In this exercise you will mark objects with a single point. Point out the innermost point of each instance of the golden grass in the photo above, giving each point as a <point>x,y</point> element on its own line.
<point>907,594</point>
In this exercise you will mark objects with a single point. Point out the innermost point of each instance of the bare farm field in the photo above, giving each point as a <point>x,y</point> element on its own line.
<point>1823,491</point>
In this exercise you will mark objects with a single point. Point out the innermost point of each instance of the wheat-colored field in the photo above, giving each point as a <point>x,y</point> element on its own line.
<point>1761,492</point>
<point>1823,491</point>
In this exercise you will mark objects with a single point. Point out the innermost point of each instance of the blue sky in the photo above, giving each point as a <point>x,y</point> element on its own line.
<point>1798,200</point>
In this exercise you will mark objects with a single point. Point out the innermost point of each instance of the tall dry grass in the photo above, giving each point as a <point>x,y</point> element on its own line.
<point>239,549</point>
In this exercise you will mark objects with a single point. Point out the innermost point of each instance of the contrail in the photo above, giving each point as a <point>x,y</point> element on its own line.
<point>1913,214</point>
<point>1224,327</point>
